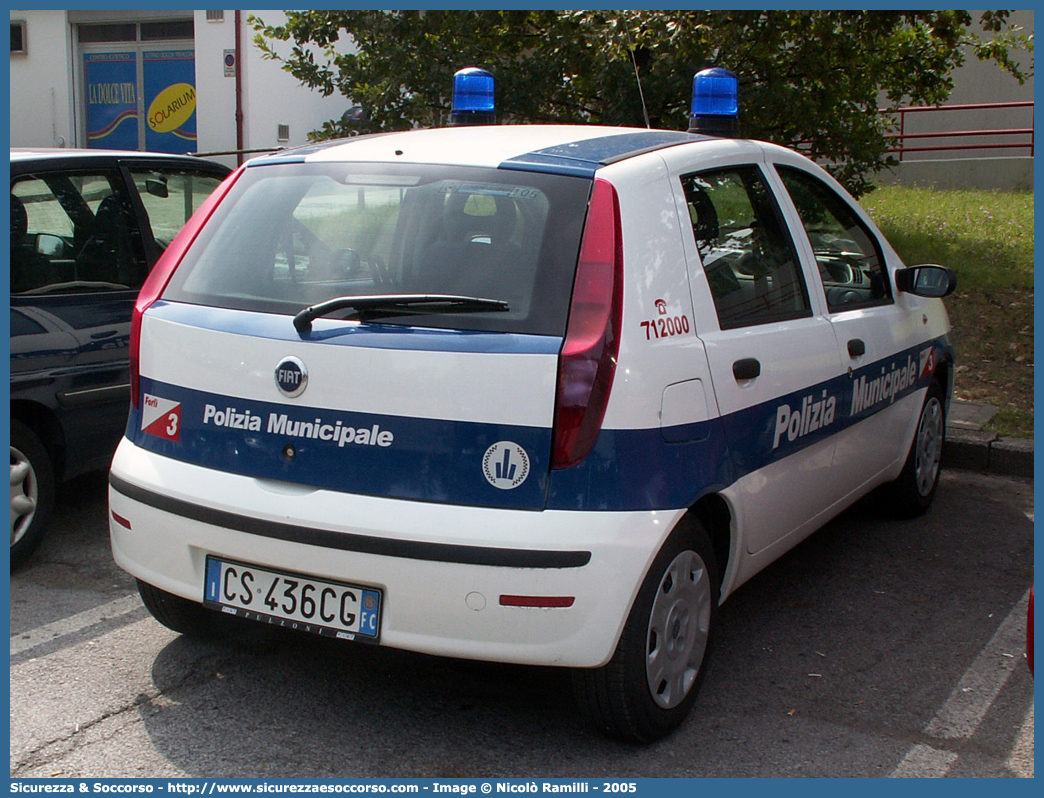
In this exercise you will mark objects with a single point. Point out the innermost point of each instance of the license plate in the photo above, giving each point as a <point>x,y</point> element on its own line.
<point>293,601</point>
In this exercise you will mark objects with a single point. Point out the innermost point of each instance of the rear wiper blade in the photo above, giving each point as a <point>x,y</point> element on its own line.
<point>398,304</point>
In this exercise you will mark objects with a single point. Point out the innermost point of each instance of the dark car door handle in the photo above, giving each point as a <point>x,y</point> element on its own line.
<point>856,347</point>
<point>746,369</point>
<point>103,334</point>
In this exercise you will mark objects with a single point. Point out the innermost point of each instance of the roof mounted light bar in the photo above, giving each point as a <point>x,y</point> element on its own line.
<point>715,105</point>
<point>473,102</point>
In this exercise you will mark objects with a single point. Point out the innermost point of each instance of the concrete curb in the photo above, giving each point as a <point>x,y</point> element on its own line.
<point>984,451</point>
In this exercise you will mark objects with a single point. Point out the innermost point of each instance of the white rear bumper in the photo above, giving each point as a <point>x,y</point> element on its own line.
<point>442,568</point>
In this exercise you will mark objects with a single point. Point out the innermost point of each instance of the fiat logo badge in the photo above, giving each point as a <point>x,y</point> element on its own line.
<point>291,377</point>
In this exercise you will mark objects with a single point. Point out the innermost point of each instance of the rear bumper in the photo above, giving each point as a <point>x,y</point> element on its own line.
<point>443,569</point>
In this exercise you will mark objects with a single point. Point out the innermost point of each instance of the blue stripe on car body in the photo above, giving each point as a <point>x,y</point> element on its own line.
<point>439,460</point>
<point>583,158</point>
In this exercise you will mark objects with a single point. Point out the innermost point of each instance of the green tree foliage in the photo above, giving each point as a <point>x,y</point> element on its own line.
<point>812,80</point>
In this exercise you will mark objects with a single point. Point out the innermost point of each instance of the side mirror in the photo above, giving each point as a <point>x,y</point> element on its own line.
<point>927,280</point>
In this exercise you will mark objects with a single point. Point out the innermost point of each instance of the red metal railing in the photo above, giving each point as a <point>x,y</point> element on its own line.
<point>902,136</point>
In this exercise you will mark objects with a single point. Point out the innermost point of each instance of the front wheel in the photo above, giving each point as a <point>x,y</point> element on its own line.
<point>913,491</point>
<point>649,686</point>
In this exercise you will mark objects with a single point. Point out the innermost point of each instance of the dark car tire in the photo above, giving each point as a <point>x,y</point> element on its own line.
<point>181,615</point>
<point>32,492</point>
<point>649,686</point>
<point>912,492</point>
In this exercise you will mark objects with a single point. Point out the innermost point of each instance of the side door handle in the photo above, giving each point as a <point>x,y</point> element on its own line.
<point>856,347</point>
<point>746,369</point>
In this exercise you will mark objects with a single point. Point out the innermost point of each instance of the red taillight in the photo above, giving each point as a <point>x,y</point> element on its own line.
<point>588,360</point>
<point>162,272</point>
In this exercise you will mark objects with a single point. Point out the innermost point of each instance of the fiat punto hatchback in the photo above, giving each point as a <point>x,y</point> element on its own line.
<point>528,394</point>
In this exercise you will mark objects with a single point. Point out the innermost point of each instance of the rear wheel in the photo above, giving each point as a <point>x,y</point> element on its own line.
<point>649,686</point>
<point>32,492</point>
<point>913,491</point>
<point>178,614</point>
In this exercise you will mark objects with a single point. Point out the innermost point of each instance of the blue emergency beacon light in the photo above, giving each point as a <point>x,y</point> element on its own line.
<point>473,98</point>
<point>715,106</point>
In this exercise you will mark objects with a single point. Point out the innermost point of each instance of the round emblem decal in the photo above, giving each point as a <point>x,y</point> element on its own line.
<point>291,377</point>
<point>505,465</point>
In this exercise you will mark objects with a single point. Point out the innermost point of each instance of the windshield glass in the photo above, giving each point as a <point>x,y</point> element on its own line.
<point>293,235</point>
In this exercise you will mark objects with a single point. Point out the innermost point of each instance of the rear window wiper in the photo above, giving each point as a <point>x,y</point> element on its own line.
<point>371,306</point>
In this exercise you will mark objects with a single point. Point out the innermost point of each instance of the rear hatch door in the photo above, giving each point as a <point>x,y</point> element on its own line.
<point>386,391</point>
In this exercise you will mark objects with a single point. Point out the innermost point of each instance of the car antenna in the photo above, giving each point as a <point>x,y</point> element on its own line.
<point>637,78</point>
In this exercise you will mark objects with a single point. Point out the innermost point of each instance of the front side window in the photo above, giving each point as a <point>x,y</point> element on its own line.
<point>295,235</point>
<point>74,233</point>
<point>847,254</point>
<point>747,254</point>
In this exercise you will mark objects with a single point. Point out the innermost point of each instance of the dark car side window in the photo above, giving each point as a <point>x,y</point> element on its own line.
<point>847,254</point>
<point>746,251</point>
<point>170,196</point>
<point>74,232</point>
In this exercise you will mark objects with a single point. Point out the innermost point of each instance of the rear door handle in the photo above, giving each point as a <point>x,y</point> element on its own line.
<point>856,347</point>
<point>747,369</point>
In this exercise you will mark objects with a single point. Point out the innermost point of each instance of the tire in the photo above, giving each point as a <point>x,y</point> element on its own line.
<point>649,686</point>
<point>32,492</point>
<point>912,492</point>
<point>181,615</point>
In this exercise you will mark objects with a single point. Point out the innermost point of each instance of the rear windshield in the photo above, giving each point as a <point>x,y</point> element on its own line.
<point>292,235</point>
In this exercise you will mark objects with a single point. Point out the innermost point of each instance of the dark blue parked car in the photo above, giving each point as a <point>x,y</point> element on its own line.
<point>86,227</point>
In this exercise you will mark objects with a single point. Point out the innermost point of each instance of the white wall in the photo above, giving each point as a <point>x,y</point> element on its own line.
<point>41,83</point>
<point>271,97</point>
<point>1004,169</point>
<point>984,82</point>
<point>973,83</point>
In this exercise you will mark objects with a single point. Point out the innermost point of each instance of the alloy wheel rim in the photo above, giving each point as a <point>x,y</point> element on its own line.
<point>25,495</point>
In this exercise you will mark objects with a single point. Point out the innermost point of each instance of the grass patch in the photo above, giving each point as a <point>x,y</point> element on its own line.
<point>986,237</point>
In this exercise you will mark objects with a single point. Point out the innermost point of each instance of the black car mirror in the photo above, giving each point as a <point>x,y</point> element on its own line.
<point>927,280</point>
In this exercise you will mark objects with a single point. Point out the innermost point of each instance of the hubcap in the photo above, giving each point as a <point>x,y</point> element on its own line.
<point>929,446</point>
<point>25,492</point>
<point>679,626</point>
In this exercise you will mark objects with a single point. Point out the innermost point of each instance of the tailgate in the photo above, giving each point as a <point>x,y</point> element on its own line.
<point>403,412</point>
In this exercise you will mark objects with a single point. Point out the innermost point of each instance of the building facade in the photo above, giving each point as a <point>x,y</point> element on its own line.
<point>165,81</point>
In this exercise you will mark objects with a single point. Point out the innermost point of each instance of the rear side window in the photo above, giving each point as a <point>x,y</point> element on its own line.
<point>747,254</point>
<point>847,255</point>
<point>293,235</point>
<point>72,233</point>
<point>170,196</point>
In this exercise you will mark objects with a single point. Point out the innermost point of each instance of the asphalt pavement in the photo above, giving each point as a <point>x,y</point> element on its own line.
<point>878,647</point>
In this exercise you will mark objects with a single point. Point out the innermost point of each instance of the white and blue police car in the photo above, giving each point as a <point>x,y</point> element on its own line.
<point>530,394</point>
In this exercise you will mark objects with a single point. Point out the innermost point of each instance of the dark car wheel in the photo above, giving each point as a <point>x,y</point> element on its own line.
<point>32,492</point>
<point>913,491</point>
<point>649,686</point>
